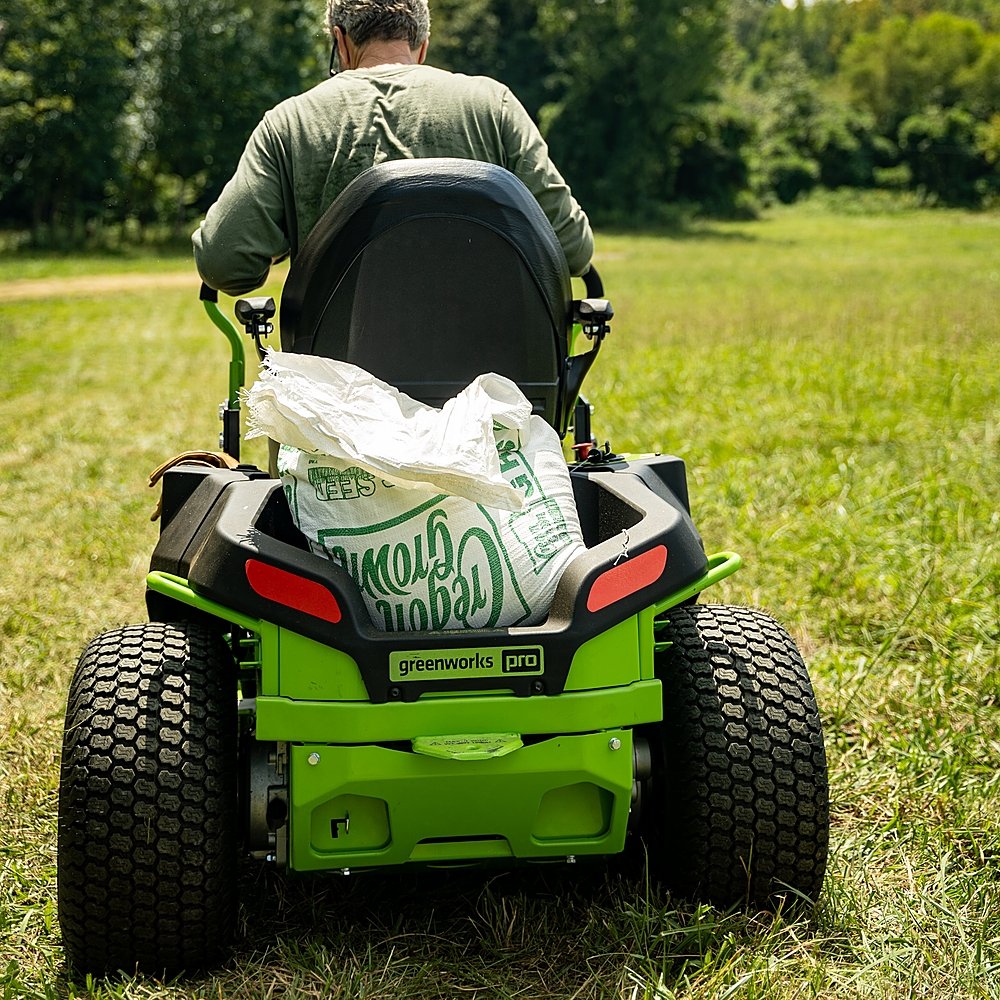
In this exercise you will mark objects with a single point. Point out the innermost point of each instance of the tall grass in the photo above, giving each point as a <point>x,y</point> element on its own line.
<point>832,383</point>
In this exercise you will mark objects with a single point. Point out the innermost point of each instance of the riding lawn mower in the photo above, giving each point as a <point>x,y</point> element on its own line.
<point>259,717</point>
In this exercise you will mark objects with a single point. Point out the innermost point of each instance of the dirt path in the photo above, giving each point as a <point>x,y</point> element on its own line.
<point>96,284</point>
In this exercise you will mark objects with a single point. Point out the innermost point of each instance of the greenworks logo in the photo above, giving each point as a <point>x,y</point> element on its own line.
<point>489,661</point>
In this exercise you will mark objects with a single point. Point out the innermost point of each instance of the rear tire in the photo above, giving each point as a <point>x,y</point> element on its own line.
<point>148,858</point>
<point>739,789</point>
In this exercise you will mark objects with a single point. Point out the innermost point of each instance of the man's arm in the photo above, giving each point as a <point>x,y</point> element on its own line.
<point>246,229</point>
<point>528,158</point>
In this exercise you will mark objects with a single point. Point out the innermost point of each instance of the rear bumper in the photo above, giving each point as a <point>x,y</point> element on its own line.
<point>373,806</point>
<point>284,720</point>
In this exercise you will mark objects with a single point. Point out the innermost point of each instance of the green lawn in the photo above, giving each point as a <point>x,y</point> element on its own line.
<point>144,260</point>
<point>832,383</point>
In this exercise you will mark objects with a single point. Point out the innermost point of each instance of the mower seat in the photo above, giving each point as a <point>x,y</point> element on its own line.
<point>429,272</point>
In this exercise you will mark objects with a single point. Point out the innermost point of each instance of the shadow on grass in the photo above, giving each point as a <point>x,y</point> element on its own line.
<point>679,231</point>
<point>585,930</point>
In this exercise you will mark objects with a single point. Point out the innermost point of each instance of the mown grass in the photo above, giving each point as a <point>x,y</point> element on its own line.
<point>832,383</point>
<point>128,260</point>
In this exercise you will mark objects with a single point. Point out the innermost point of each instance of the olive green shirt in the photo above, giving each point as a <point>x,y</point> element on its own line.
<point>310,147</point>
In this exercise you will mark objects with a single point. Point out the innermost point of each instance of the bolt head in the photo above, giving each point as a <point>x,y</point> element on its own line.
<point>313,759</point>
<point>614,743</point>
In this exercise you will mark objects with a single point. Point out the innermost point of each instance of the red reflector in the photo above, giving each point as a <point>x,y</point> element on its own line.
<point>282,587</point>
<point>626,578</point>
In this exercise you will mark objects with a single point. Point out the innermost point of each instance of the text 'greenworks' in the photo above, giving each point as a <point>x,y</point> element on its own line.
<point>489,661</point>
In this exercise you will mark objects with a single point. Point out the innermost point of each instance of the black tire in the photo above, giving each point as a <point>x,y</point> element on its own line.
<point>739,789</point>
<point>148,859</point>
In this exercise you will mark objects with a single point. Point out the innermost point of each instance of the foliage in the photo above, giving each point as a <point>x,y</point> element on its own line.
<point>988,140</point>
<point>210,90</point>
<point>904,66</point>
<point>63,80</point>
<point>941,149</point>
<point>930,83</point>
<point>712,169</point>
<point>124,119</point>
<point>830,88</point>
<point>629,74</point>
<point>111,111</point>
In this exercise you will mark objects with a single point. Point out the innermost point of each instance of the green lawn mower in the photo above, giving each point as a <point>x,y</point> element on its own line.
<point>260,715</point>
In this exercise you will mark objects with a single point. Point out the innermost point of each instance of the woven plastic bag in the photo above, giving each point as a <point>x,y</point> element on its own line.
<point>459,517</point>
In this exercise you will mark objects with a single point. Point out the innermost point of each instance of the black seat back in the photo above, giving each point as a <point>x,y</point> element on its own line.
<point>430,272</point>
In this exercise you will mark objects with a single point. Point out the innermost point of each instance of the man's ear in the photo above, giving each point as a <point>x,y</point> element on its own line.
<point>340,42</point>
<point>422,51</point>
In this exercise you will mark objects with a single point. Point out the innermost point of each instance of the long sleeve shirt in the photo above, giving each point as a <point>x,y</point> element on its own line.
<point>309,148</point>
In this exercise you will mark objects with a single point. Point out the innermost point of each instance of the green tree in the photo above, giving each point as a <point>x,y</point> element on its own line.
<point>816,32</point>
<point>627,75</point>
<point>942,150</point>
<point>980,82</point>
<point>712,168</point>
<point>933,85</point>
<point>985,13</point>
<point>781,99</point>
<point>905,65</point>
<point>464,36</point>
<point>216,67</point>
<point>64,81</point>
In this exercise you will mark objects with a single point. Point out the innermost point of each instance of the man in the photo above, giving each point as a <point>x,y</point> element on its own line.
<point>384,104</point>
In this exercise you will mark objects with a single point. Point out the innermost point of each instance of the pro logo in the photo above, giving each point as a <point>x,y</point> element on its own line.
<point>521,661</point>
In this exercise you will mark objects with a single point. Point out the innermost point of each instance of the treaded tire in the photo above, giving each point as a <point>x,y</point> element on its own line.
<point>740,810</point>
<point>148,856</point>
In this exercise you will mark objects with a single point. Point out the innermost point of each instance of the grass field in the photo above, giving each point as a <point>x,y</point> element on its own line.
<point>832,383</point>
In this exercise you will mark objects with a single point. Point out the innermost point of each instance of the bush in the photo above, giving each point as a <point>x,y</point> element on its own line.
<point>940,147</point>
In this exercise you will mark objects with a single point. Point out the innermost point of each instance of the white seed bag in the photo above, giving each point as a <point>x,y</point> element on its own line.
<point>461,517</point>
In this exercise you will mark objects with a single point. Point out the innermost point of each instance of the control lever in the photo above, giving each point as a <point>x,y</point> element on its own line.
<point>594,316</point>
<point>255,314</point>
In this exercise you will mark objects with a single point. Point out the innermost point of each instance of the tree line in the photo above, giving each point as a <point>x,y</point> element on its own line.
<point>129,117</point>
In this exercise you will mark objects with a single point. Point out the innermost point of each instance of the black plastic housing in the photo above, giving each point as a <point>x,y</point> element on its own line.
<point>214,521</point>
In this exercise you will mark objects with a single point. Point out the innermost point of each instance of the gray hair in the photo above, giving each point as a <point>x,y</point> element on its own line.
<point>380,20</point>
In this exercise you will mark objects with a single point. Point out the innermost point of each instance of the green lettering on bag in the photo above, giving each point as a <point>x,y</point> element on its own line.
<point>429,577</point>
<point>341,484</point>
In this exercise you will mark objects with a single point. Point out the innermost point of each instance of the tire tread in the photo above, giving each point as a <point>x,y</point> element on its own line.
<point>743,813</point>
<point>147,857</point>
